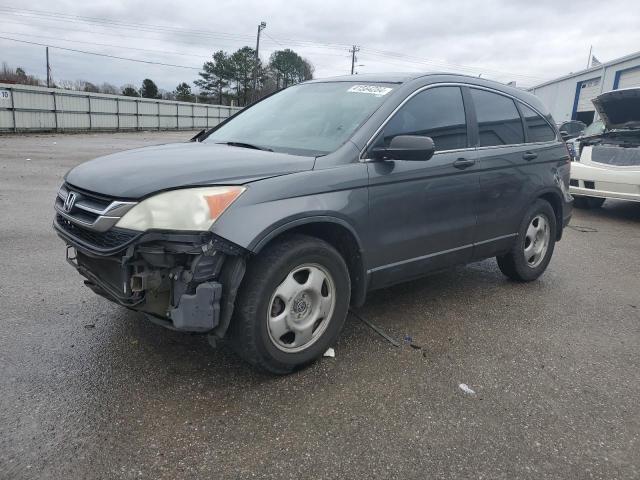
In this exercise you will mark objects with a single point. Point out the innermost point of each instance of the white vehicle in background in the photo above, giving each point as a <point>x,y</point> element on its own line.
<point>607,161</point>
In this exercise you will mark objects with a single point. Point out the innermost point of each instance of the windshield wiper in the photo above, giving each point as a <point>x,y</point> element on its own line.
<point>245,145</point>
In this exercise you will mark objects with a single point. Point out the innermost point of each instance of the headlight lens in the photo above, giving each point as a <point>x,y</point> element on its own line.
<point>193,209</point>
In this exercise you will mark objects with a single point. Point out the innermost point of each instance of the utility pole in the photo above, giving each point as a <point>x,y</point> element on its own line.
<point>261,27</point>
<point>48,70</point>
<point>353,57</point>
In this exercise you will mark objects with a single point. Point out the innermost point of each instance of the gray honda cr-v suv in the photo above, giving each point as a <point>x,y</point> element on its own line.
<point>266,228</point>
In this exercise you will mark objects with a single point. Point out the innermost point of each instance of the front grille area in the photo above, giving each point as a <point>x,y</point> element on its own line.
<point>616,156</point>
<point>110,240</point>
<point>88,210</point>
<point>574,183</point>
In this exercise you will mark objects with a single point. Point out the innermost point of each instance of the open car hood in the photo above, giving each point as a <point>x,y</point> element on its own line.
<point>619,109</point>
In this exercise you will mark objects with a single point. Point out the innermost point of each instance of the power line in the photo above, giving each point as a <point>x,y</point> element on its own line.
<point>101,54</point>
<point>150,28</point>
<point>127,47</point>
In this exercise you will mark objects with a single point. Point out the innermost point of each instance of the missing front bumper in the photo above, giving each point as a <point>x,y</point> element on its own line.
<point>184,286</point>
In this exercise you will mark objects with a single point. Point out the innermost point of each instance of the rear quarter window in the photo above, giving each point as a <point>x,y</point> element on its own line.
<point>538,130</point>
<point>499,121</point>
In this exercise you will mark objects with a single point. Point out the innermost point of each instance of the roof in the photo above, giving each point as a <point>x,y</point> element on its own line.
<point>391,77</point>
<point>597,68</point>
<point>394,77</point>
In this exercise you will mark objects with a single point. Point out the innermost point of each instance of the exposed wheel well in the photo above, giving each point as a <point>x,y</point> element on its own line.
<point>556,203</point>
<point>344,241</point>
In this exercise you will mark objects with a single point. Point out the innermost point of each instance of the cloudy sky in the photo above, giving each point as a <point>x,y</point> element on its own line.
<point>525,41</point>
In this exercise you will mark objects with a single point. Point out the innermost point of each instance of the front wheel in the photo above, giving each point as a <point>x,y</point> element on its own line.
<point>587,203</point>
<point>292,304</point>
<point>532,250</point>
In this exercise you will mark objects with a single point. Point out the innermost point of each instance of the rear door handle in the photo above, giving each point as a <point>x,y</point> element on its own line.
<point>463,163</point>
<point>529,156</point>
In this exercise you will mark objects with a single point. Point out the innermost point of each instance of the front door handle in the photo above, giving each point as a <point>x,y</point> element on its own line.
<point>529,156</point>
<point>463,163</point>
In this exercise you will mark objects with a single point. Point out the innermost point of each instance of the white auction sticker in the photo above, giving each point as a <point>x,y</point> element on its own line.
<point>5,96</point>
<point>370,89</point>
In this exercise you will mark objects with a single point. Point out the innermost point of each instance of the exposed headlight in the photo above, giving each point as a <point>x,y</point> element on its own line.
<point>193,209</point>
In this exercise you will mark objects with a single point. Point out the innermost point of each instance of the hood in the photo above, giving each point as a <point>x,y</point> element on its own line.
<point>619,109</point>
<point>140,172</point>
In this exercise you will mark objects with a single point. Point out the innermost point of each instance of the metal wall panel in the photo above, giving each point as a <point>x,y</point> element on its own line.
<point>168,123</point>
<point>33,101</point>
<point>148,122</point>
<point>128,121</point>
<point>147,108</point>
<point>73,121</point>
<point>106,105</point>
<point>167,109</point>
<point>185,122</point>
<point>103,121</point>
<point>72,103</point>
<point>127,106</point>
<point>6,120</point>
<point>35,120</point>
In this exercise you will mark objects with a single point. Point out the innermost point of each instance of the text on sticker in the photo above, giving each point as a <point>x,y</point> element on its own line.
<point>370,89</point>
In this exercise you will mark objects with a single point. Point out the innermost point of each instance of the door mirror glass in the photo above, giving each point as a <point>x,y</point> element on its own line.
<point>406,147</point>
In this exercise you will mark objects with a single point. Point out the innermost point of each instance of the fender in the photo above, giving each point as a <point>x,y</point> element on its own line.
<point>360,280</point>
<point>267,235</point>
<point>560,204</point>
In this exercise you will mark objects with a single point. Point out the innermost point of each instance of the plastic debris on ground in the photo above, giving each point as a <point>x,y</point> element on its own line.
<point>466,389</point>
<point>331,353</point>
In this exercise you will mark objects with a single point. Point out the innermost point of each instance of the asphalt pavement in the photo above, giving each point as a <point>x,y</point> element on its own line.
<point>91,390</point>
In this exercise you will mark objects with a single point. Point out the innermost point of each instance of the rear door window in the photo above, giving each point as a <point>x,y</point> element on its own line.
<point>499,122</point>
<point>437,113</point>
<point>538,130</point>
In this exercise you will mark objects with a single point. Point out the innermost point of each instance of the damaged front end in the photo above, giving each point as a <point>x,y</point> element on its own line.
<point>181,280</point>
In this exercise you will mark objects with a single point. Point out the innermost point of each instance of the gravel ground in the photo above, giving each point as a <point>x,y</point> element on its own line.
<point>91,390</point>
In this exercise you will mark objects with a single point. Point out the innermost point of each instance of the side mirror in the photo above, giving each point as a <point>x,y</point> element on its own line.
<point>406,147</point>
<point>565,135</point>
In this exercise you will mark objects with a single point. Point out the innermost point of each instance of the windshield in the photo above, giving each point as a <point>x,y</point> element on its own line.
<point>596,128</point>
<point>309,119</point>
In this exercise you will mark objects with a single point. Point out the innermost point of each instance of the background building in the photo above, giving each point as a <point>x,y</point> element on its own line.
<point>569,97</point>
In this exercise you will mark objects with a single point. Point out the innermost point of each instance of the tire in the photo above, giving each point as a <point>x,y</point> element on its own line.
<point>279,324</point>
<point>521,263</point>
<point>587,203</point>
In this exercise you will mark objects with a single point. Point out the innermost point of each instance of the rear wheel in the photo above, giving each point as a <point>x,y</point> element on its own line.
<point>587,203</point>
<point>532,250</point>
<point>292,304</point>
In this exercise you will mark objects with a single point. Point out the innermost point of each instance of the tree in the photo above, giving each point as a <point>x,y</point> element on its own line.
<point>149,89</point>
<point>289,68</point>
<point>244,64</point>
<point>183,93</point>
<point>108,88</point>
<point>130,91</point>
<point>215,75</point>
<point>84,86</point>
<point>19,76</point>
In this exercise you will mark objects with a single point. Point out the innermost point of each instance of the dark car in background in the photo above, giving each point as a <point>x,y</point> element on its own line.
<point>271,225</point>
<point>571,129</point>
